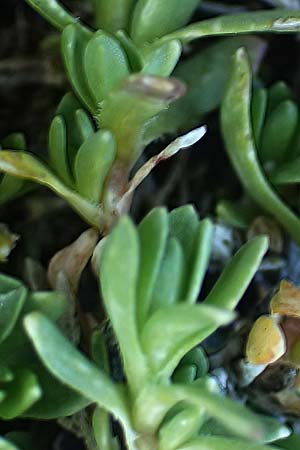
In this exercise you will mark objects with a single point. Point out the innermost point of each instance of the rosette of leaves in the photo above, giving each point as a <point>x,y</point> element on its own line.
<point>261,134</point>
<point>26,388</point>
<point>150,278</point>
<point>120,73</point>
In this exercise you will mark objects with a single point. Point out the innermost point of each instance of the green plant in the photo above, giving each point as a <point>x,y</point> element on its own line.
<point>150,277</point>
<point>261,133</point>
<point>124,98</point>
<point>119,74</point>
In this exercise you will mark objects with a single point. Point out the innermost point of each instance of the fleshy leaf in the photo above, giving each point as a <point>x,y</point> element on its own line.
<point>105,65</point>
<point>119,276</point>
<point>21,393</point>
<point>24,165</point>
<point>180,428</point>
<point>54,12</point>
<point>167,289</point>
<point>92,164</point>
<point>155,401</point>
<point>58,149</point>
<point>222,443</point>
<point>174,330</point>
<point>161,59</point>
<point>74,43</point>
<point>287,173</point>
<point>71,367</point>
<point>237,275</point>
<point>12,299</point>
<point>200,259</point>
<point>274,21</point>
<point>278,132</point>
<point>153,232</point>
<point>113,15</point>
<point>154,18</point>
<point>237,132</point>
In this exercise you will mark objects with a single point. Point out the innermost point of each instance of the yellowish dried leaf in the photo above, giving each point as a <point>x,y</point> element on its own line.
<point>287,300</point>
<point>266,342</point>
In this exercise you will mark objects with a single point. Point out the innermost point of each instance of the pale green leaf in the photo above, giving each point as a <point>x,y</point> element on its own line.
<point>237,275</point>
<point>153,232</point>
<point>237,132</point>
<point>119,272</point>
<point>71,367</point>
<point>172,331</point>
<point>92,164</point>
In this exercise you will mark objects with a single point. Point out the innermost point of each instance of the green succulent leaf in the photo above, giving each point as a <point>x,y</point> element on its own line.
<point>237,275</point>
<point>185,374</point>
<point>93,161</point>
<point>222,443</point>
<point>199,260</point>
<point>273,21</point>
<point>180,428</point>
<point>12,299</point>
<point>74,44</point>
<point>169,280</point>
<point>196,245</point>
<point>84,124</point>
<point>132,51</point>
<point>118,277</point>
<point>197,358</point>
<point>57,398</point>
<point>273,429</point>
<point>102,429</point>
<point>71,367</point>
<point>77,124</point>
<point>174,330</point>
<point>287,173</point>
<point>156,400</point>
<point>52,304</point>
<point>21,393</point>
<point>24,165</point>
<point>113,15</point>
<point>277,94</point>
<point>54,12</point>
<point>161,59</point>
<point>153,233</point>
<point>237,132</point>
<point>258,113</point>
<point>58,156</point>
<point>278,132</point>
<point>153,18</point>
<point>105,65</point>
